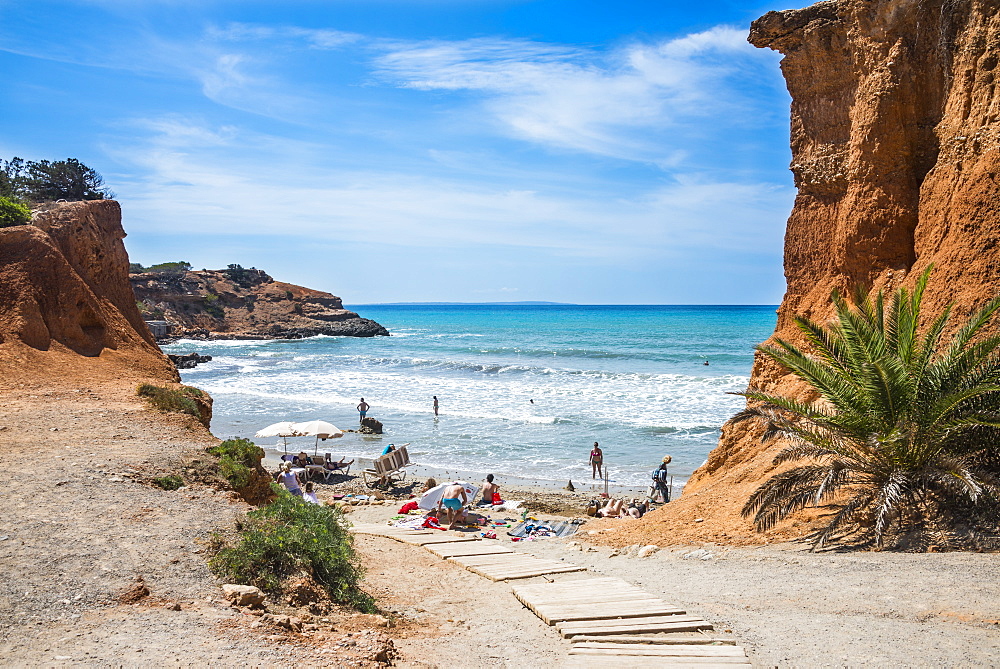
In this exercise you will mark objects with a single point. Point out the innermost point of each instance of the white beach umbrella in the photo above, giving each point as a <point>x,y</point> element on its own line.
<point>318,429</point>
<point>431,498</point>
<point>284,429</point>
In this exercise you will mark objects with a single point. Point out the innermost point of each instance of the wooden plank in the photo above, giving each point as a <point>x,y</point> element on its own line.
<point>671,639</point>
<point>432,539</point>
<point>633,621</point>
<point>494,573</point>
<point>679,659</point>
<point>587,597</point>
<point>496,557</point>
<point>686,650</point>
<point>531,588</point>
<point>369,528</point>
<point>640,662</point>
<point>633,625</point>
<point>640,609</point>
<point>466,548</point>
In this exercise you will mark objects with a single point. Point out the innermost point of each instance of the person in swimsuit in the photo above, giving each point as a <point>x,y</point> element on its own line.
<point>363,409</point>
<point>453,500</point>
<point>435,405</point>
<point>289,479</point>
<point>489,488</point>
<point>596,460</point>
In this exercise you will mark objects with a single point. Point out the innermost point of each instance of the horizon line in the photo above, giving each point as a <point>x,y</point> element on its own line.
<point>547,304</point>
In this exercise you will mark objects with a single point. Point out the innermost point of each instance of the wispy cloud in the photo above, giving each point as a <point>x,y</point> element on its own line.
<point>620,103</point>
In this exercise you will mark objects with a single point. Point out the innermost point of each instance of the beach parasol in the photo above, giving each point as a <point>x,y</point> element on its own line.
<point>284,429</point>
<point>318,429</point>
<point>431,498</point>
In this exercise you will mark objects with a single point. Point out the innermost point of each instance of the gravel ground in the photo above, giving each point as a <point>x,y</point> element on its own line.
<point>790,607</point>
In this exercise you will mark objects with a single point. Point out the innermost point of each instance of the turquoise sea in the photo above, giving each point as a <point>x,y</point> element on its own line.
<point>524,389</point>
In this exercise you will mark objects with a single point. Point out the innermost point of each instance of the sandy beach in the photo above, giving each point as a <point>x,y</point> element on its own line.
<point>85,525</point>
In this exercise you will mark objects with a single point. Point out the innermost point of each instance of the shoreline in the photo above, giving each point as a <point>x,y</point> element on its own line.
<point>511,487</point>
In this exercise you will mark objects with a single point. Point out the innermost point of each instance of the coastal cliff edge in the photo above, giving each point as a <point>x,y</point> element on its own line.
<point>895,137</point>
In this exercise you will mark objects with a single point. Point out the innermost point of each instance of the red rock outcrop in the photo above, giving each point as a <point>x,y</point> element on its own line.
<point>67,311</point>
<point>895,133</point>
<point>245,304</point>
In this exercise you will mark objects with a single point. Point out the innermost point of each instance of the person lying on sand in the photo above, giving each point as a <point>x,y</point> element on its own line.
<point>453,499</point>
<point>613,509</point>
<point>428,484</point>
<point>334,465</point>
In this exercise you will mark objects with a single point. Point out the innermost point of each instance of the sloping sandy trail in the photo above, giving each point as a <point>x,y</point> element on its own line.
<point>80,530</point>
<point>794,608</point>
<point>79,527</point>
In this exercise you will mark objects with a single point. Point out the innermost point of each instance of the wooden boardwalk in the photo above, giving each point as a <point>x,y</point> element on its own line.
<point>607,620</point>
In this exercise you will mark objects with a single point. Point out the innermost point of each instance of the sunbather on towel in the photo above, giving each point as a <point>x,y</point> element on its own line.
<point>613,509</point>
<point>453,499</point>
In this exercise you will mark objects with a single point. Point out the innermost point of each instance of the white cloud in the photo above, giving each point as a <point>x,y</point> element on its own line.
<point>313,38</point>
<point>238,183</point>
<point>618,103</point>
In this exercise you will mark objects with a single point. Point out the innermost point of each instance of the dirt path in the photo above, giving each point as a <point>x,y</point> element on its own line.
<point>81,524</point>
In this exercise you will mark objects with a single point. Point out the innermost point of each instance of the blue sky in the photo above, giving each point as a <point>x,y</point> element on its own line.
<point>422,150</point>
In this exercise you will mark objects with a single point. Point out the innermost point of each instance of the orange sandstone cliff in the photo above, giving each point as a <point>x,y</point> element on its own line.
<point>895,134</point>
<point>67,310</point>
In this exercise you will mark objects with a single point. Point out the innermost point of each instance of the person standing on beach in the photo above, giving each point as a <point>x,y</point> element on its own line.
<point>435,405</point>
<point>596,460</point>
<point>660,480</point>
<point>453,499</point>
<point>363,409</point>
<point>287,478</point>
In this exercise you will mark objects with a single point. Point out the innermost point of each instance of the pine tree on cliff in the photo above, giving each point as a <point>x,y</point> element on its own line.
<point>51,180</point>
<point>900,438</point>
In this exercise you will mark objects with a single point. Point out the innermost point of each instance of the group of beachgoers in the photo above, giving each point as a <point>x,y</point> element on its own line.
<point>294,474</point>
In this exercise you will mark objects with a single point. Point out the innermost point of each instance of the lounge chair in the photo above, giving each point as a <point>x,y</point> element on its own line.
<point>338,467</point>
<point>388,467</point>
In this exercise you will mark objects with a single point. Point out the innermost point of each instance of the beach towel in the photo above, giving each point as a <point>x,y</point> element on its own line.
<point>409,506</point>
<point>537,530</point>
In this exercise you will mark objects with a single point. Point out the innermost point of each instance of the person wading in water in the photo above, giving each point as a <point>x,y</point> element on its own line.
<point>596,460</point>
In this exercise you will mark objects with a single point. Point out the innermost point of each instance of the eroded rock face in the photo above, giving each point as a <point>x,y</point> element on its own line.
<point>66,305</point>
<point>220,304</point>
<point>895,134</point>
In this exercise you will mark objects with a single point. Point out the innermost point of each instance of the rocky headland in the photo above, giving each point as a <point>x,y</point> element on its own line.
<point>895,135</point>
<point>238,303</point>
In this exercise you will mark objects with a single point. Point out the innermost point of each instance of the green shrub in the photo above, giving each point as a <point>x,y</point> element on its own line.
<point>170,400</point>
<point>170,482</point>
<point>177,267</point>
<point>237,460</point>
<point>13,213</point>
<point>211,305</point>
<point>289,538</point>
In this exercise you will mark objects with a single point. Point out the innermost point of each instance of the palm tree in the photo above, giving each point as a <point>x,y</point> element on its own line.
<point>892,440</point>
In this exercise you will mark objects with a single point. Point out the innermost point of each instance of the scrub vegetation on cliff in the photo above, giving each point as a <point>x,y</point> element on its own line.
<point>902,438</point>
<point>291,539</point>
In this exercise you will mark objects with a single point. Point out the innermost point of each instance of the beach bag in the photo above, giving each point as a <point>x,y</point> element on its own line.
<point>497,499</point>
<point>593,507</point>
